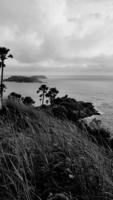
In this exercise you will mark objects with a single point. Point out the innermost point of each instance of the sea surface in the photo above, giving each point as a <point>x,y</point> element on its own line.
<point>95,89</point>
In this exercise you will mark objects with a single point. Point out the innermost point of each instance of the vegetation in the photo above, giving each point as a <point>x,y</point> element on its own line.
<point>28,101</point>
<point>97,133</point>
<point>14,96</point>
<point>51,94</point>
<point>70,109</point>
<point>50,159</point>
<point>30,79</point>
<point>43,90</point>
<point>2,88</point>
<point>18,98</point>
<point>4,54</point>
<point>49,152</point>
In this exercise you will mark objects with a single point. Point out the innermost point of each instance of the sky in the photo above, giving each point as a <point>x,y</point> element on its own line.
<point>53,37</point>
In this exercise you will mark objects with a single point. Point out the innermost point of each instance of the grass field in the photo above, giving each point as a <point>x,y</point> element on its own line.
<point>45,158</point>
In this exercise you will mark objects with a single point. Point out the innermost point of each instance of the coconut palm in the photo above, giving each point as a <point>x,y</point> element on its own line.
<point>4,54</point>
<point>43,91</point>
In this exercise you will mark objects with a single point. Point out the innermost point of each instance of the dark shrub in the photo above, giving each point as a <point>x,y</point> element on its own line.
<point>28,101</point>
<point>60,112</point>
<point>98,134</point>
<point>72,110</point>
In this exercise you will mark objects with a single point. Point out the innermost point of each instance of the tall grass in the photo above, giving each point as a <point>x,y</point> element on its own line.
<point>48,159</point>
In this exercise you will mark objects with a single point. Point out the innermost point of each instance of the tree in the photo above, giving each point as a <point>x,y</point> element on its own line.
<point>28,101</point>
<point>51,94</point>
<point>43,90</point>
<point>2,88</point>
<point>14,96</point>
<point>4,54</point>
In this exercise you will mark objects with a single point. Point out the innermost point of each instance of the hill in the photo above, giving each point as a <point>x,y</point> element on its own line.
<point>47,158</point>
<point>26,79</point>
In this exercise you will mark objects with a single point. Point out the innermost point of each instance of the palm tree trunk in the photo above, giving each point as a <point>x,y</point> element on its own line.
<point>2,70</point>
<point>43,99</point>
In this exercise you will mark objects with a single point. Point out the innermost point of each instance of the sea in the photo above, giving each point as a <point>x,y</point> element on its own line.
<point>97,89</point>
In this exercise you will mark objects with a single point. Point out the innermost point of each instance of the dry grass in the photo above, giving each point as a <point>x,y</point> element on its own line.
<point>45,158</point>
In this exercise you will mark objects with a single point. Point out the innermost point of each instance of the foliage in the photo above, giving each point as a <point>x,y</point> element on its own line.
<point>15,96</point>
<point>97,133</point>
<point>2,88</point>
<point>4,54</point>
<point>18,97</point>
<point>43,91</point>
<point>28,101</point>
<point>51,94</point>
<point>21,79</point>
<point>43,158</point>
<point>68,108</point>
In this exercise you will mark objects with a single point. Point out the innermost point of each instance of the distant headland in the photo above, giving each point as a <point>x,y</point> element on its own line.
<point>26,79</point>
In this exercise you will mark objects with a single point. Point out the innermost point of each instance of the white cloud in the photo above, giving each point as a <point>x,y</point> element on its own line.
<point>53,32</point>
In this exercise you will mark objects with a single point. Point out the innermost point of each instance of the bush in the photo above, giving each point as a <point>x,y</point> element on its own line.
<point>96,132</point>
<point>28,101</point>
<point>71,109</point>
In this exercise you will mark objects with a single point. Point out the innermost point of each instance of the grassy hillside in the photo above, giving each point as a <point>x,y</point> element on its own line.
<point>45,158</point>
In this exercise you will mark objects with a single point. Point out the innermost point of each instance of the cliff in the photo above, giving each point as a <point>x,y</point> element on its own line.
<point>48,158</point>
<point>31,79</point>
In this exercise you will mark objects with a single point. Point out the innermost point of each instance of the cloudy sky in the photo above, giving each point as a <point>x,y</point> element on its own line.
<point>58,36</point>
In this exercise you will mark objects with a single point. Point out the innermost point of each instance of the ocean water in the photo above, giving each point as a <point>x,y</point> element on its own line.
<point>95,89</point>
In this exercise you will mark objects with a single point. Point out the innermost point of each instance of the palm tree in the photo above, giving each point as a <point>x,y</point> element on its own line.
<point>43,89</point>
<point>52,93</point>
<point>3,56</point>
